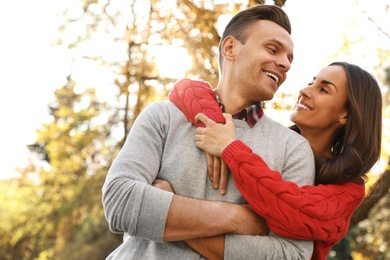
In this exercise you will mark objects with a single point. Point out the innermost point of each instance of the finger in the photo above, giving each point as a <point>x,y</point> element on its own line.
<point>203,118</point>
<point>217,169</point>
<point>200,130</point>
<point>198,137</point>
<point>210,166</point>
<point>228,118</point>
<point>223,178</point>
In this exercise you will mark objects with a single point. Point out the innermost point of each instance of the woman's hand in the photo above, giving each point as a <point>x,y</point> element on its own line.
<point>218,172</point>
<point>214,138</point>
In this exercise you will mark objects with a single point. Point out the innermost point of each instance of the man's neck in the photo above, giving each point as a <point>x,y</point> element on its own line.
<point>231,100</point>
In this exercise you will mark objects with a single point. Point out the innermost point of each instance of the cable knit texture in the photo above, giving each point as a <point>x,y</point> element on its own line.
<point>321,213</point>
<point>188,95</point>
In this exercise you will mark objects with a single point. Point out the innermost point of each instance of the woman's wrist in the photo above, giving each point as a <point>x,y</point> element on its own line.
<point>227,152</point>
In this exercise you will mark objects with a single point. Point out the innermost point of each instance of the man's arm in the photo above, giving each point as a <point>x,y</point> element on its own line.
<point>255,248</point>
<point>192,218</point>
<point>210,247</point>
<point>134,206</point>
<point>216,218</point>
<point>131,205</point>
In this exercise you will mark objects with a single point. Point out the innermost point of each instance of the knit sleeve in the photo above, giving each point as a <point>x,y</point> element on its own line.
<point>319,213</point>
<point>196,96</point>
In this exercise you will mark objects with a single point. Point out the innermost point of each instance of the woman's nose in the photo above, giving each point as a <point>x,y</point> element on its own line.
<point>305,92</point>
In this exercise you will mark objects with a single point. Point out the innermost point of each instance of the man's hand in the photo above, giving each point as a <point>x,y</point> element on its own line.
<point>249,223</point>
<point>162,184</point>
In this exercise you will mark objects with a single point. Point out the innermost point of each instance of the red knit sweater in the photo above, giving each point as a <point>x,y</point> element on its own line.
<point>320,213</point>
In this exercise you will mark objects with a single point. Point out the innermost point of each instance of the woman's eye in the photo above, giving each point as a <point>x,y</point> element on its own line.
<point>310,83</point>
<point>324,90</point>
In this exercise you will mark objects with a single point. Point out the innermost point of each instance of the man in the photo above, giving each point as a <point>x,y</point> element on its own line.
<point>256,52</point>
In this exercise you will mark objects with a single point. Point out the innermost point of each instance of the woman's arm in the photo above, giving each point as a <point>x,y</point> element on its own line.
<point>311,212</point>
<point>195,96</point>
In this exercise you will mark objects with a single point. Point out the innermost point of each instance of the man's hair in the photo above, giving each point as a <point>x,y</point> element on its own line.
<point>242,20</point>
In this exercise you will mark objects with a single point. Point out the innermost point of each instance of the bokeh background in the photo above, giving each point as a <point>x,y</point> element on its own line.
<point>75,74</point>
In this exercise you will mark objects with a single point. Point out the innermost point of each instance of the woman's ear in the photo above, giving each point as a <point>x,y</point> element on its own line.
<point>343,118</point>
<point>228,47</point>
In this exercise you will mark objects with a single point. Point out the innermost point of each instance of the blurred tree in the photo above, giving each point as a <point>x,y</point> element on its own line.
<point>134,29</point>
<point>57,200</point>
<point>54,210</point>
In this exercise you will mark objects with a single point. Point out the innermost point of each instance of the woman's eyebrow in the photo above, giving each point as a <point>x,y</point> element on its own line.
<point>326,82</point>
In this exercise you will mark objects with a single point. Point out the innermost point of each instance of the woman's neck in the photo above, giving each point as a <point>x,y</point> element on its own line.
<point>320,142</point>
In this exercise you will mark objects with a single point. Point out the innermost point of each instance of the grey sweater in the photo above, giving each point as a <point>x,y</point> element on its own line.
<point>161,145</point>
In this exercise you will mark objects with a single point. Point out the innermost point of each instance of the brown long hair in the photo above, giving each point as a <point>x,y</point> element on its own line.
<point>357,146</point>
<point>242,20</point>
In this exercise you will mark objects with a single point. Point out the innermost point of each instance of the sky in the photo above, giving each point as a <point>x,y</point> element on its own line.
<point>31,68</point>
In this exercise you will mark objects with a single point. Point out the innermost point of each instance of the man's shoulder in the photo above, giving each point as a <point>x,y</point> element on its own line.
<point>163,110</point>
<point>162,106</point>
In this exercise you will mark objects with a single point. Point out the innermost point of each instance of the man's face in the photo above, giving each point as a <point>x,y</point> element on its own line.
<point>260,65</point>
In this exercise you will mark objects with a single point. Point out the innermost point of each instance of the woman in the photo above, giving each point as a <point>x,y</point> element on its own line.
<point>340,114</point>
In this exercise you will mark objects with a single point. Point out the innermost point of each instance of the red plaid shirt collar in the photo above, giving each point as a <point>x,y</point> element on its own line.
<point>251,114</point>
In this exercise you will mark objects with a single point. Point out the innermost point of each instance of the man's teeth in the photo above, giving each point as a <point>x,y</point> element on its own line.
<point>303,107</point>
<point>273,76</point>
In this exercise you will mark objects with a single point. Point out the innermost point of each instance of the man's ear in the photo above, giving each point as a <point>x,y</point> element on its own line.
<point>228,45</point>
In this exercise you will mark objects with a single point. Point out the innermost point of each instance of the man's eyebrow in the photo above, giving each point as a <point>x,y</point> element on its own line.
<point>281,45</point>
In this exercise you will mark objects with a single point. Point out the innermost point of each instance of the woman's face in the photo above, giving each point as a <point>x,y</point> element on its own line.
<point>321,105</point>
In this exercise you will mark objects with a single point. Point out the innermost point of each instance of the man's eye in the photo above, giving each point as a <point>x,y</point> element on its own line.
<point>272,50</point>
